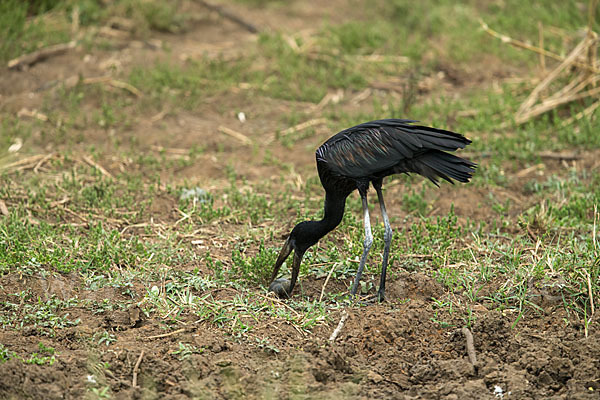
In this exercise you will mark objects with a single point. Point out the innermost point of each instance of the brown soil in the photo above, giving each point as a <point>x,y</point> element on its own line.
<point>393,350</point>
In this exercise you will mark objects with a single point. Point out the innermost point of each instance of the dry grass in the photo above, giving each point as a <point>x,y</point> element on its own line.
<point>574,78</point>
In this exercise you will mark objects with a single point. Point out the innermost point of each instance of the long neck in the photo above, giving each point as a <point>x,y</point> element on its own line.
<point>308,233</point>
<point>334,212</point>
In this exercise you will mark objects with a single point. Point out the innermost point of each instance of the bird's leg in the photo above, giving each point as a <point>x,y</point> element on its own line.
<point>387,237</point>
<point>367,243</point>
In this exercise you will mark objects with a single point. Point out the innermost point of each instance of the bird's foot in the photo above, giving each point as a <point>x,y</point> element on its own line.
<point>367,300</point>
<point>280,287</point>
<point>379,297</point>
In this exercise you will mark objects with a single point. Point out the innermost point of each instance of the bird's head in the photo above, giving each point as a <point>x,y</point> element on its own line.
<point>299,240</point>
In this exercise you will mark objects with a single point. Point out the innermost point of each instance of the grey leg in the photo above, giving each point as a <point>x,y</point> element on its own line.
<point>367,244</point>
<point>387,237</point>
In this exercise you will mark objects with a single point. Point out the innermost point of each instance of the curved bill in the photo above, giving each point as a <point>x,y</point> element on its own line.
<point>283,255</point>
<point>295,270</point>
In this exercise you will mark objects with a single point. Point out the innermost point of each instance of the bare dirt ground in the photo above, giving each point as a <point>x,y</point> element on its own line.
<point>392,350</point>
<point>384,351</point>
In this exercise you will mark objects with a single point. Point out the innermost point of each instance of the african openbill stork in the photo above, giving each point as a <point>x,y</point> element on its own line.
<point>365,154</point>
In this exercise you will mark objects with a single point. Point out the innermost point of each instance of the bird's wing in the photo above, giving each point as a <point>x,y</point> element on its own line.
<point>376,146</point>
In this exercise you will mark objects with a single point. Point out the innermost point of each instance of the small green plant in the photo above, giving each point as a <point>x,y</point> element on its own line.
<point>162,16</point>
<point>47,316</point>
<point>265,344</point>
<point>101,393</point>
<point>105,338</point>
<point>415,202</point>
<point>6,354</point>
<point>185,350</point>
<point>441,309</point>
<point>253,269</point>
<point>44,356</point>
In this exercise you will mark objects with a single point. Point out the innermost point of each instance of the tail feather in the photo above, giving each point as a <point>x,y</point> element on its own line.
<point>438,164</point>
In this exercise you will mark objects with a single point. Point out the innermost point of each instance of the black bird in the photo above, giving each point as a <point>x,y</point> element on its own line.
<point>365,154</point>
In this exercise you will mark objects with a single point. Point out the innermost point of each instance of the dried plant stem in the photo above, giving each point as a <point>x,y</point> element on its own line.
<point>590,292</point>
<point>570,87</point>
<point>114,83</point>
<point>99,167</point>
<point>580,63</point>
<point>585,113</point>
<point>235,134</point>
<point>304,125</point>
<point>39,55</point>
<point>41,162</point>
<point>592,4</point>
<point>297,128</point>
<point>530,101</point>
<point>518,43</point>
<point>339,327</point>
<point>3,208</point>
<point>24,161</point>
<point>136,368</point>
<point>75,21</point>
<point>541,45</point>
<point>596,218</point>
<point>163,335</point>
<point>325,283</point>
<point>551,104</point>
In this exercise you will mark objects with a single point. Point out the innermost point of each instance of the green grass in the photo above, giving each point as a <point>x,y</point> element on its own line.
<point>26,26</point>
<point>207,259</point>
<point>47,317</point>
<point>451,29</point>
<point>298,76</point>
<point>45,355</point>
<point>21,34</point>
<point>191,84</point>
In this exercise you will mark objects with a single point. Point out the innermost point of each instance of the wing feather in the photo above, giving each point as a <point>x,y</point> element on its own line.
<point>373,147</point>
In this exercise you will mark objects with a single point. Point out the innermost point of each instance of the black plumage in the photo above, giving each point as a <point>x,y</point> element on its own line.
<point>363,155</point>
